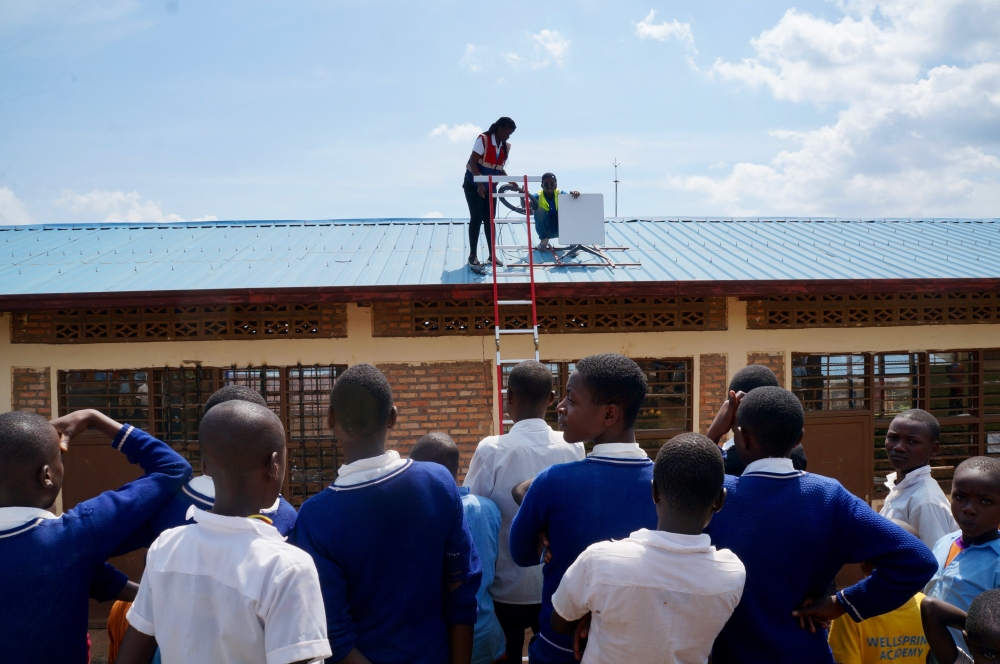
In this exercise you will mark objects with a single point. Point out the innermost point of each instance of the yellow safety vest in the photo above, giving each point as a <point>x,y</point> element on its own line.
<point>543,202</point>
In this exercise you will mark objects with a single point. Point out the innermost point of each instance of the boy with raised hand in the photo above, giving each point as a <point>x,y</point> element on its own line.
<point>980,629</point>
<point>658,596</point>
<point>794,531</point>
<point>51,560</point>
<point>969,559</point>
<point>498,465</point>
<point>483,518</point>
<point>606,496</point>
<point>897,636</point>
<point>748,378</point>
<point>914,496</point>
<point>228,588</point>
<point>396,561</point>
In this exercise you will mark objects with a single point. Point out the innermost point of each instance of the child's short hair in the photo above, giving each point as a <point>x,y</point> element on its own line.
<point>234,393</point>
<point>689,472</point>
<point>237,435</point>
<point>988,465</point>
<point>437,447</point>
<point>751,377</point>
<point>25,442</point>
<point>362,400</point>
<point>612,378</point>
<point>925,418</point>
<point>531,381</point>
<point>774,416</point>
<point>983,620</point>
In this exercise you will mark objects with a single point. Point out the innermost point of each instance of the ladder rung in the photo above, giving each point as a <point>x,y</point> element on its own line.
<point>506,178</point>
<point>508,421</point>
<point>515,331</point>
<point>508,195</point>
<point>512,276</point>
<point>509,221</point>
<point>512,246</point>
<point>513,302</point>
<point>514,361</point>
<point>503,391</point>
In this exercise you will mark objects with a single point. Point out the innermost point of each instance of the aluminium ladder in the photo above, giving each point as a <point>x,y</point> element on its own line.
<point>498,331</point>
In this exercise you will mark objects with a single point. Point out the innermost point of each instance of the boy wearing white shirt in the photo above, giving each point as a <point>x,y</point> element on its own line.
<point>659,595</point>
<point>498,465</point>
<point>228,588</point>
<point>914,496</point>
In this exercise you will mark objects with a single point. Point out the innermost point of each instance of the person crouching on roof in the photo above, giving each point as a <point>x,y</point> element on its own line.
<point>545,205</point>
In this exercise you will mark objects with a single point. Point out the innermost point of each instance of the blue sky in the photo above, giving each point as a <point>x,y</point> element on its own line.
<point>124,110</point>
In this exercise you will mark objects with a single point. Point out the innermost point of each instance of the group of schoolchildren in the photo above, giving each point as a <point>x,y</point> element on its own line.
<point>605,557</point>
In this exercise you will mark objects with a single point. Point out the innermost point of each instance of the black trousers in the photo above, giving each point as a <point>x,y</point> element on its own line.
<point>514,619</point>
<point>479,216</point>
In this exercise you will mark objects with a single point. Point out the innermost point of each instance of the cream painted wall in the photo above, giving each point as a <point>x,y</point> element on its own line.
<point>361,346</point>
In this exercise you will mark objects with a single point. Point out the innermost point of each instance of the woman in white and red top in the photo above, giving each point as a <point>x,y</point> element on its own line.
<point>489,155</point>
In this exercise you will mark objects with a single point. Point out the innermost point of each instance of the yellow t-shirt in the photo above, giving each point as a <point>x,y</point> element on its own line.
<point>897,636</point>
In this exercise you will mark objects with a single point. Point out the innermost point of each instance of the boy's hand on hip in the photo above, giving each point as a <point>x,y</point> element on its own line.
<point>819,612</point>
<point>580,635</point>
<point>544,552</point>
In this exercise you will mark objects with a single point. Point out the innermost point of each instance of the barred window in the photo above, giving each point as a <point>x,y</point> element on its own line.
<point>169,403</point>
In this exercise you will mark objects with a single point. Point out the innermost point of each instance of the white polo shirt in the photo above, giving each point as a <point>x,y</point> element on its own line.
<point>499,464</point>
<point>654,597</point>
<point>230,590</point>
<point>919,501</point>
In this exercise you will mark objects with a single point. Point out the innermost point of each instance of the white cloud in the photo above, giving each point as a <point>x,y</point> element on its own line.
<point>646,29</point>
<point>207,217</point>
<point>114,206</point>
<point>460,133</point>
<point>432,215</point>
<point>12,210</point>
<point>472,59</point>
<point>918,86</point>
<point>544,48</point>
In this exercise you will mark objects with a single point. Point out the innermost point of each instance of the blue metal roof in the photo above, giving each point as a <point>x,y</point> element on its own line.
<point>387,253</point>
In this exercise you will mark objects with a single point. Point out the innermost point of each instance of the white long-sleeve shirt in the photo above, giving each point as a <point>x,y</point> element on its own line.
<point>499,464</point>
<point>919,501</point>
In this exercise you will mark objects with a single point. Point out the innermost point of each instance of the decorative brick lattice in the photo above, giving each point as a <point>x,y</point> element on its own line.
<point>773,361</point>
<point>555,315</point>
<point>872,310</point>
<point>714,381</point>
<point>197,323</point>
<point>454,397</point>
<point>31,390</point>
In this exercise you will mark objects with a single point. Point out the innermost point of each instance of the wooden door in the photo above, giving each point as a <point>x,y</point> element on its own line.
<point>840,446</point>
<point>92,467</point>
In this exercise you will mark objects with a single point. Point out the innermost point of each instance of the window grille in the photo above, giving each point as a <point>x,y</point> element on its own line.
<point>169,402</point>
<point>872,310</point>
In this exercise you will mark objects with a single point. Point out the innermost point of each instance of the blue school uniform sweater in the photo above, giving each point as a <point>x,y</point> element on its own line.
<point>386,550</point>
<point>793,531</point>
<point>50,563</point>
<point>483,519</point>
<point>578,504</point>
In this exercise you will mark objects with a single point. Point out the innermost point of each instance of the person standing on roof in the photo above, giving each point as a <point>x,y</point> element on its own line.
<point>545,206</point>
<point>489,154</point>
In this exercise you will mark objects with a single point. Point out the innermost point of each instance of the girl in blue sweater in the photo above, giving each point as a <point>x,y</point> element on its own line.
<point>794,531</point>
<point>49,561</point>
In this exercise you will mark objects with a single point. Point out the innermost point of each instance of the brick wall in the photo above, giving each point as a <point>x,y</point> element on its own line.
<point>773,361</point>
<point>714,381</point>
<point>31,390</point>
<point>454,397</point>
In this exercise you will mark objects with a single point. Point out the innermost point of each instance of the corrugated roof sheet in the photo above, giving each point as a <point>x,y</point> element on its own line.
<point>119,258</point>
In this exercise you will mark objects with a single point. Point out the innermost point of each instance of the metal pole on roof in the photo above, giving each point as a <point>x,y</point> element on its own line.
<point>616,165</point>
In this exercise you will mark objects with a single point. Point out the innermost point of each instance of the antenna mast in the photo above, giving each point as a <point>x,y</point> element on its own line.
<point>616,165</point>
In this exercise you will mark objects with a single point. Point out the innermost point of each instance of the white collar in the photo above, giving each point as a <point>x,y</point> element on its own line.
<point>12,517</point>
<point>233,523</point>
<point>204,485</point>
<point>673,541</point>
<point>366,470</point>
<point>912,477</point>
<point>273,508</point>
<point>531,424</point>
<point>619,451</point>
<point>771,466</point>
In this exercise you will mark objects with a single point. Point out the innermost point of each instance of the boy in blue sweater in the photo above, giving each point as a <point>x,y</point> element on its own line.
<point>794,531</point>
<point>483,518</point>
<point>606,496</point>
<point>396,561</point>
<point>50,560</point>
